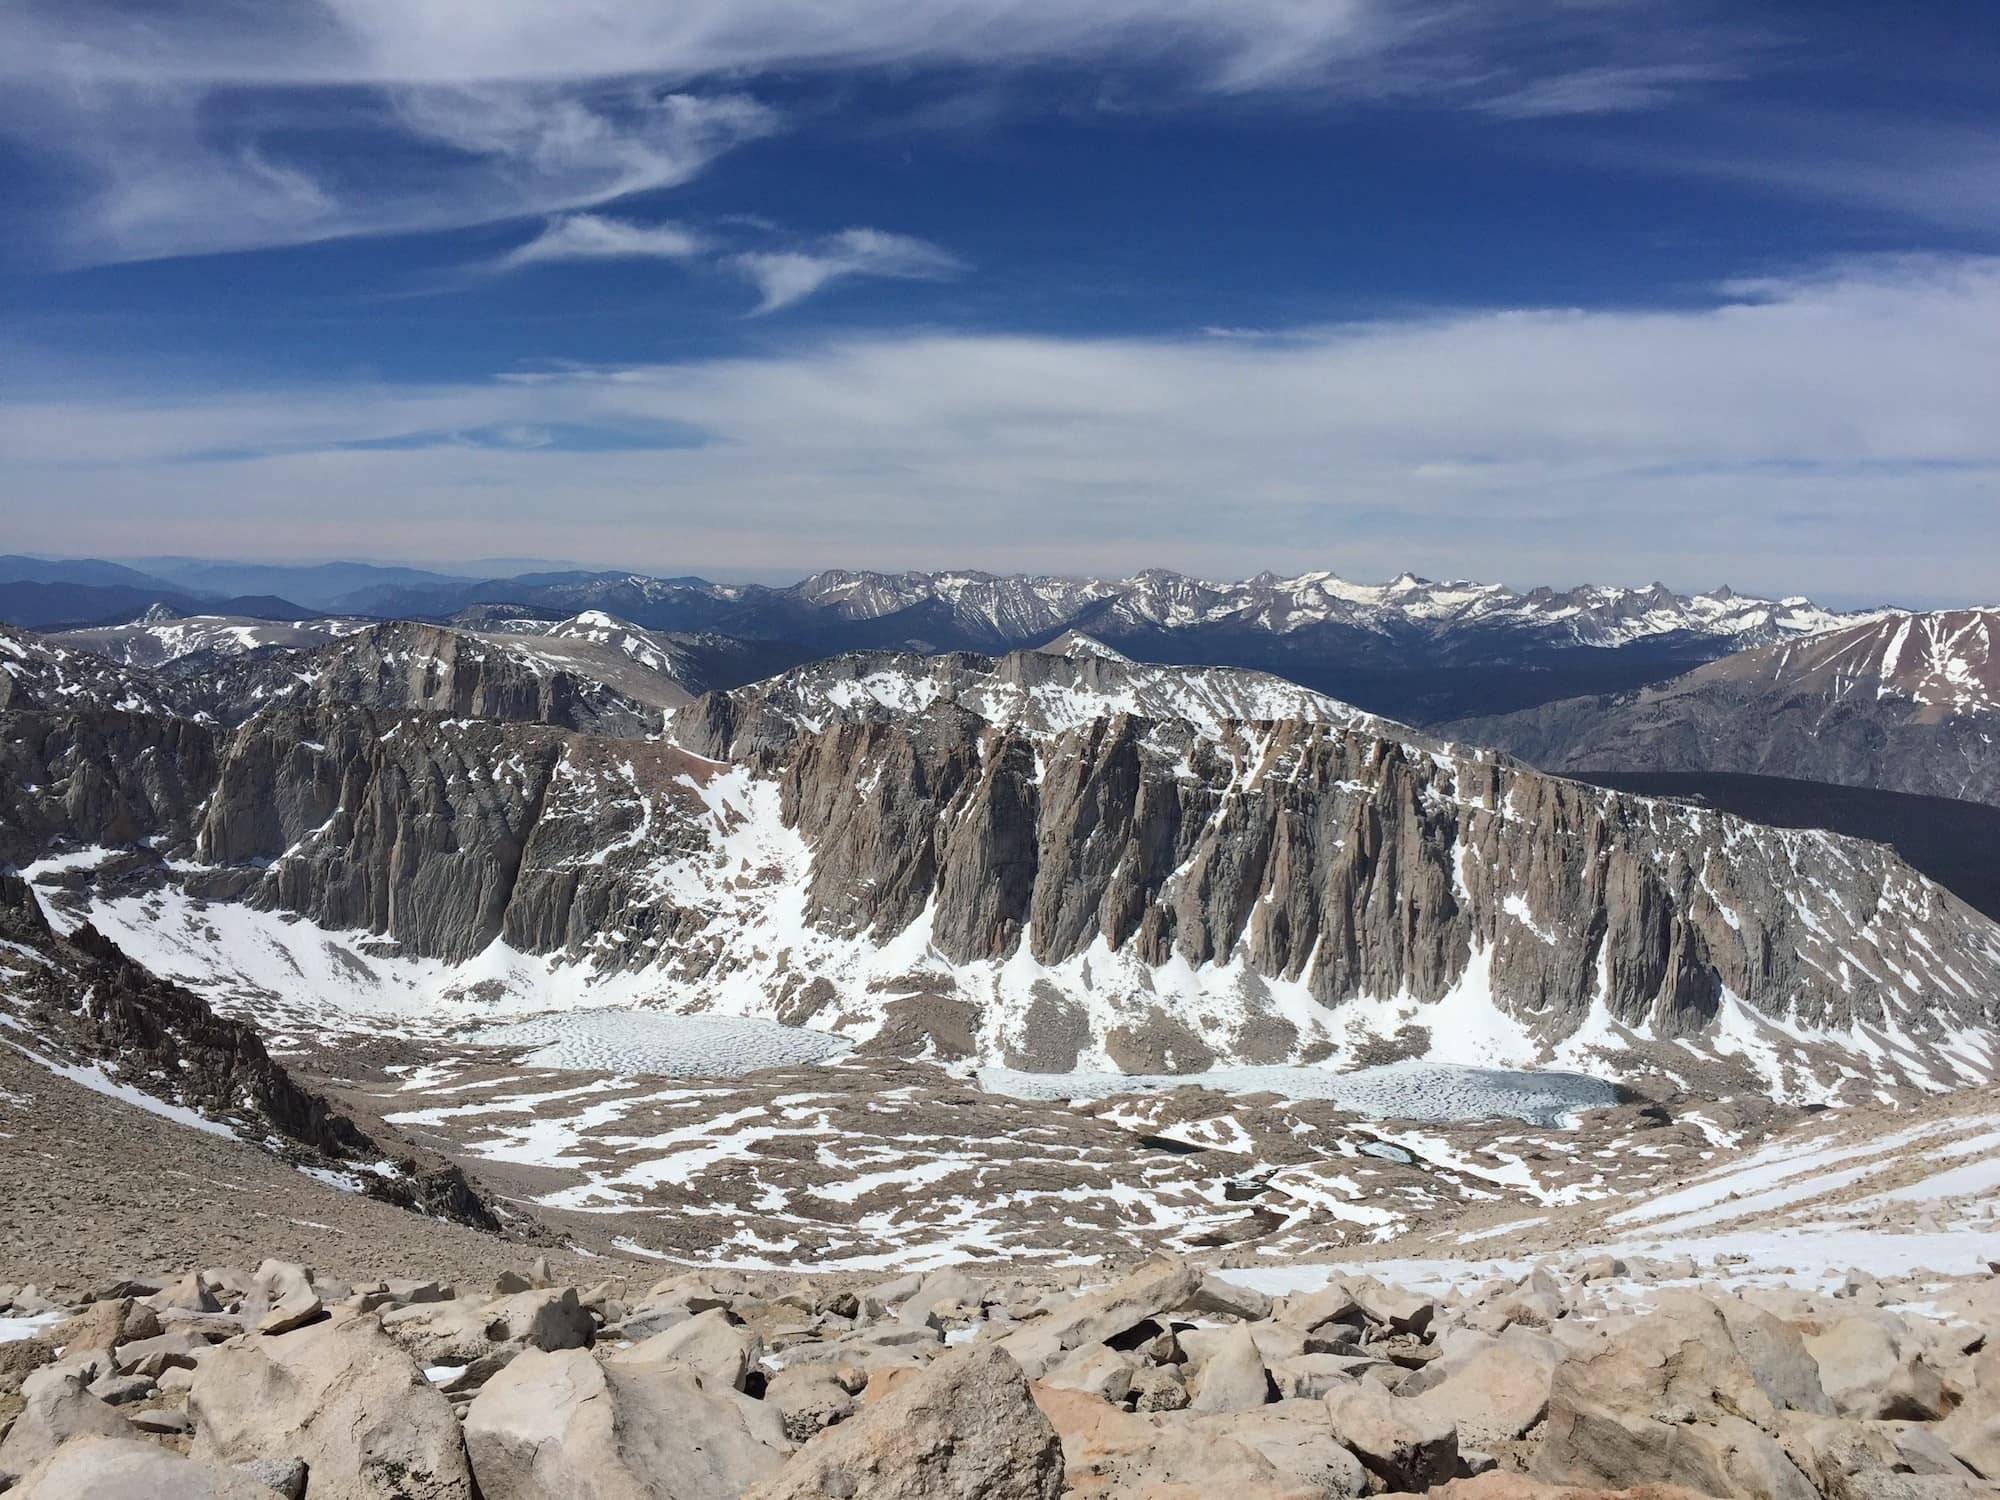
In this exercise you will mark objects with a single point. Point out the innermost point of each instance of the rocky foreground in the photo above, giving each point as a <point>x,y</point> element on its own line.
<point>1586,1380</point>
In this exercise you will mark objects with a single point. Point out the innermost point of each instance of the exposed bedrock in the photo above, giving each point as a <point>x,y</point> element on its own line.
<point>1357,865</point>
<point>1325,855</point>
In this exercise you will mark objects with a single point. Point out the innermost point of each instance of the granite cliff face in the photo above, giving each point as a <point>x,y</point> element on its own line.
<point>1908,703</point>
<point>1096,864</point>
<point>1353,866</point>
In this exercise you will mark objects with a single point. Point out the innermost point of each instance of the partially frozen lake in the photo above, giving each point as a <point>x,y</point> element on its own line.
<point>652,1041</point>
<point>1433,1092</point>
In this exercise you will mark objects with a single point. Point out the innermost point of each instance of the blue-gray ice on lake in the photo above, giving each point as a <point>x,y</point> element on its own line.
<point>651,1042</point>
<point>1432,1092</point>
<point>658,1042</point>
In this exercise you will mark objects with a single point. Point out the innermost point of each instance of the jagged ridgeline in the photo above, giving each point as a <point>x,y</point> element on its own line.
<point>1078,860</point>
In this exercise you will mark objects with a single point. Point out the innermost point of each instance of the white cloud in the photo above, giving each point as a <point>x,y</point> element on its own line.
<point>210,127</point>
<point>1380,46</point>
<point>1942,174</point>
<point>784,277</point>
<point>158,179</point>
<point>1606,90</point>
<point>1832,432</point>
<point>595,237</point>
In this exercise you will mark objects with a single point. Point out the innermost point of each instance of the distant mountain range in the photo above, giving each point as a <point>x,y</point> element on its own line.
<point>1412,649</point>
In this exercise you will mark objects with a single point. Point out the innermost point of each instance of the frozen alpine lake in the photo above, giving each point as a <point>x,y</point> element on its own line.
<point>657,1042</point>
<point>1432,1092</point>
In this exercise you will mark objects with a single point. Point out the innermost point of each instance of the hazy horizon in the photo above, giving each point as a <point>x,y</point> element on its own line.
<point>500,569</point>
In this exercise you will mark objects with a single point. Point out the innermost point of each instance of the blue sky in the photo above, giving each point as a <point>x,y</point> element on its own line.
<point>1613,289</point>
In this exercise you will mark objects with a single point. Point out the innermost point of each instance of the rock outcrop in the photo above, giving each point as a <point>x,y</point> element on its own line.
<point>340,1395</point>
<point>564,1424</point>
<point>965,1429</point>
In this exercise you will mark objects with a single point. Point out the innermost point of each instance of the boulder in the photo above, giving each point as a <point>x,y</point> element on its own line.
<point>107,1468</point>
<point>1521,1487</point>
<point>1332,1303</point>
<point>1224,1299</point>
<point>808,1399</point>
<point>1274,1341</point>
<point>191,1293</point>
<point>1870,1373</point>
<point>946,1287</point>
<point>55,1409</point>
<point>1666,1399</point>
<point>463,1332</point>
<point>711,1344</point>
<point>1233,1377</point>
<point>965,1429</point>
<point>1311,1376</point>
<point>1099,1369</point>
<point>1774,1352</point>
<point>154,1355</point>
<point>1397,1309</point>
<point>1295,1438</point>
<point>285,1475</point>
<point>1109,1454</point>
<point>409,1291</point>
<point>643,1323</point>
<point>562,1424</point>
<point>1163,1283</point>
<point>341,1395</point>
<point>291,1299</point>
<point>1498,1392</point>
<point>1159,1388</point>
<point>20,1358</point>
<point>1973,1432</point>
<point>1406,1445</point>
<point>104,1325</point>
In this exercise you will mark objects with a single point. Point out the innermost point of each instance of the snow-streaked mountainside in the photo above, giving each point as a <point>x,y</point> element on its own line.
<point>700,662</point>
<point>38,673</point>
<point>409,665</point>
<point>162,637</point>
<point>593,672</point>
<point>1076,643</point>
<point>1036,692</point>
<point>1941,664</point>
<point>1906,703</point>
<point>1069,862</point>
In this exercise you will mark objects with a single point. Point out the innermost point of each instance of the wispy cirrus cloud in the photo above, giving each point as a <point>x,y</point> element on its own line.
<point>230,125</point>
<point>1536,444</point>
<point>1945,175</point>
<point>156,174</point>
<point>597,237</point>
<point>783,277</point>
<point>1460,49</point>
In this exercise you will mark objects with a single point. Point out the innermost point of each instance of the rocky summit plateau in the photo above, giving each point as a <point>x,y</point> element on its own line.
<point>521,1050</point>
